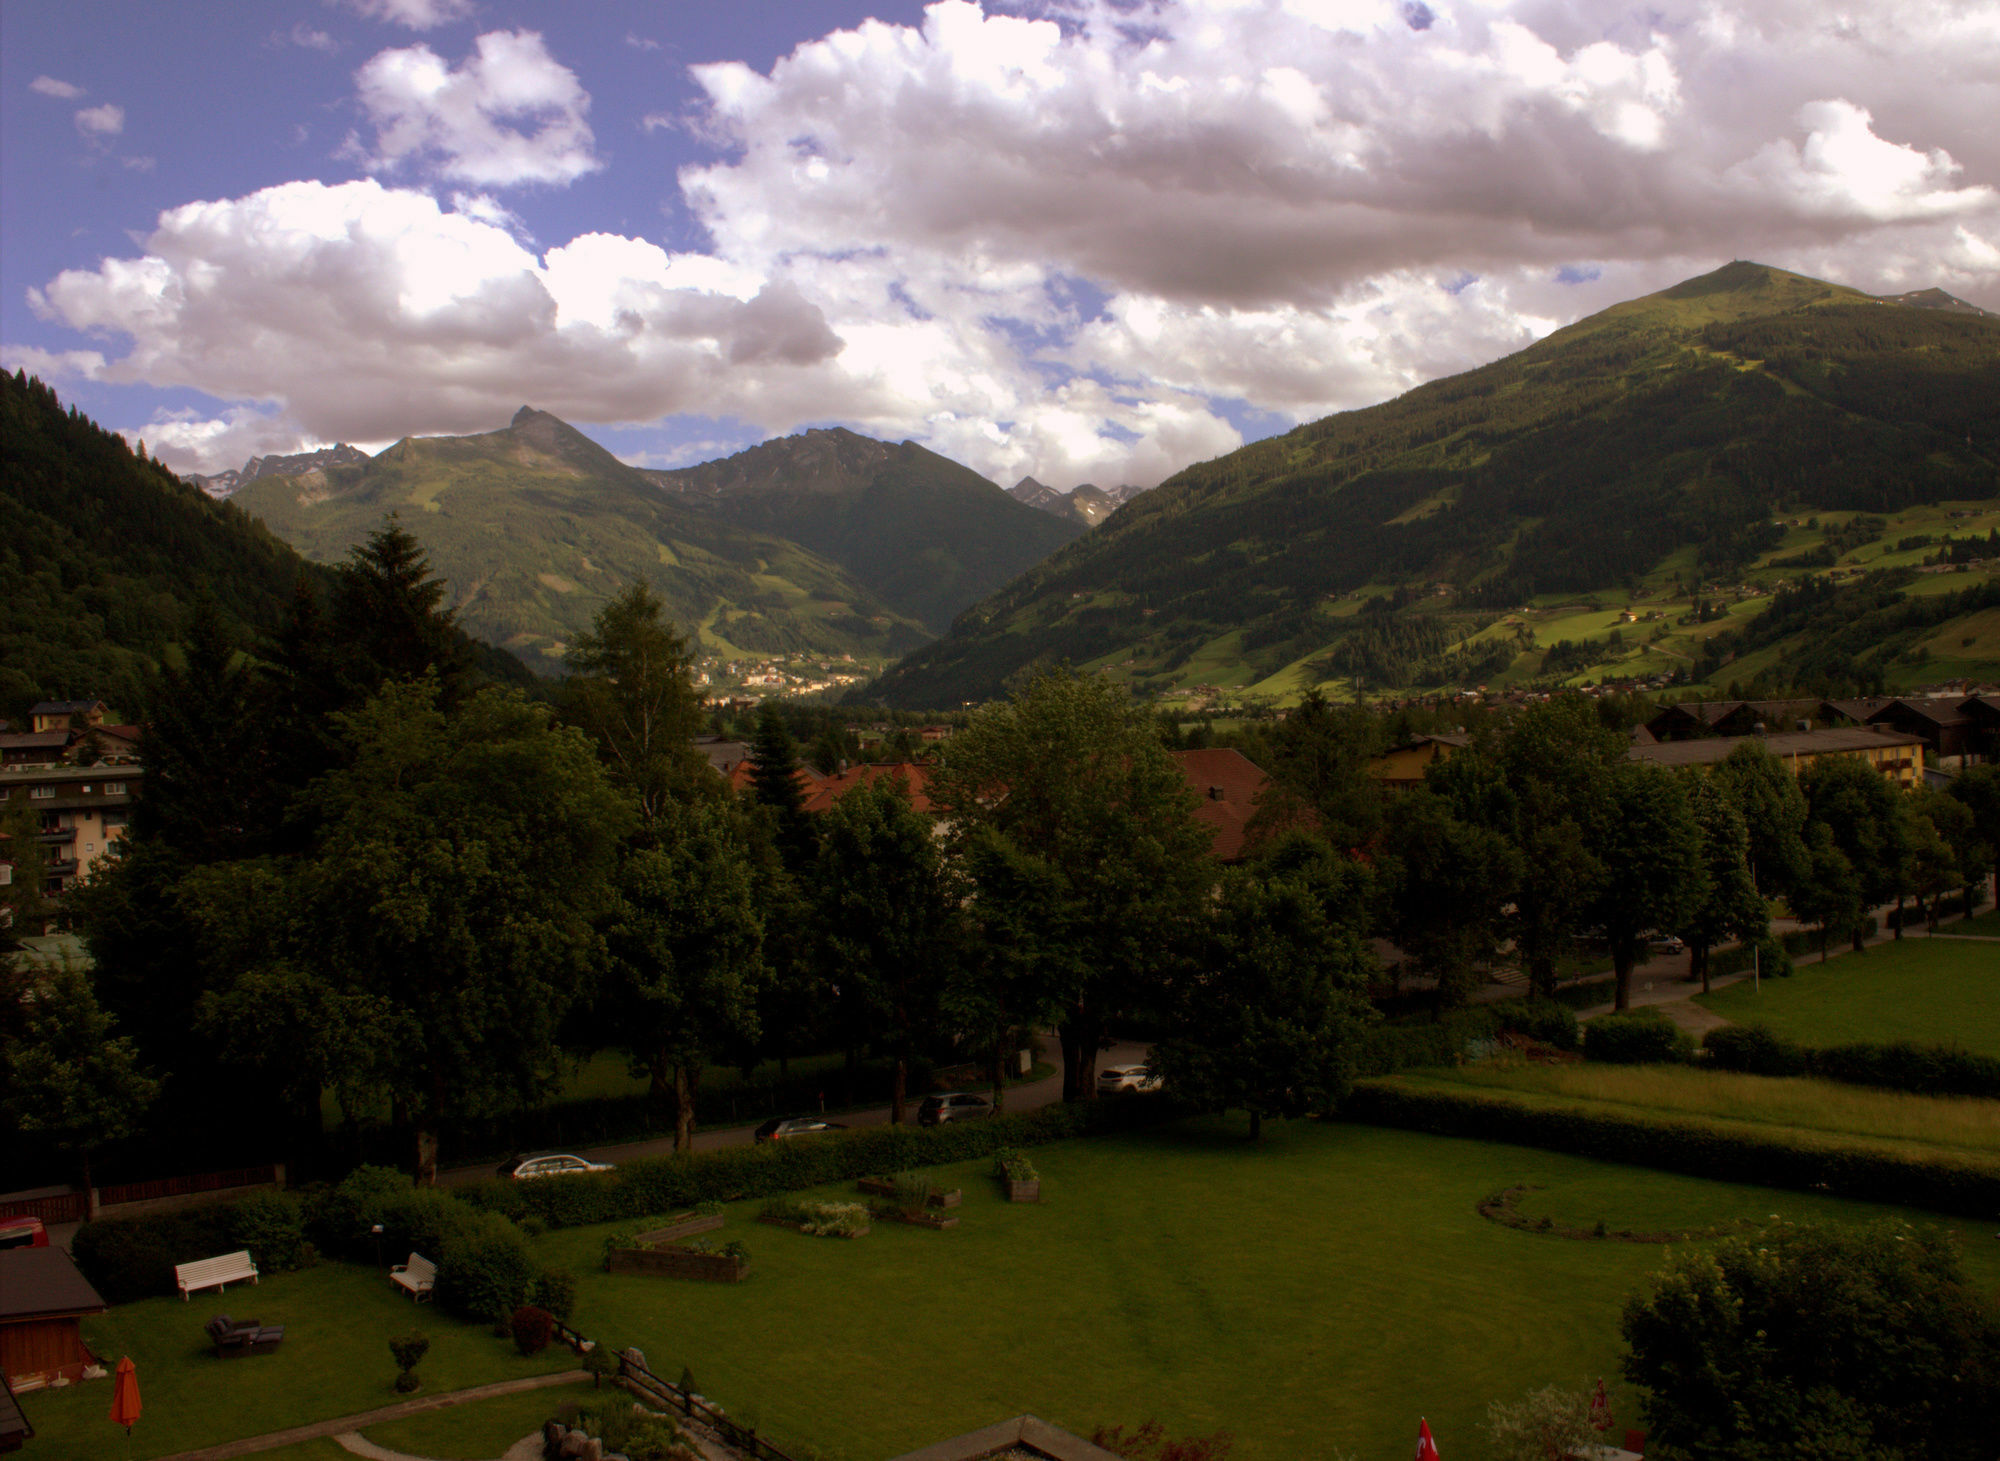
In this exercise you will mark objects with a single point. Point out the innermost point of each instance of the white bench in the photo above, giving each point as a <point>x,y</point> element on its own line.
<point>214,1273</point>
<point>418,1276</point>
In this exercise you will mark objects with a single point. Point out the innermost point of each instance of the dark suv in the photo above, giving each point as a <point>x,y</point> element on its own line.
<point>936,1110</point>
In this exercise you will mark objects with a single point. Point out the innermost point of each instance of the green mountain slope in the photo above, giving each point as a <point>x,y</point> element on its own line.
<point>1682,439</point>
<point>535,526</point>
<point>103,553</point>
<point>926,534</point>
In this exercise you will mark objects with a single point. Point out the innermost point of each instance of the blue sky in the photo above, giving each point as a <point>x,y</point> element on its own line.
<point>1083,240</point>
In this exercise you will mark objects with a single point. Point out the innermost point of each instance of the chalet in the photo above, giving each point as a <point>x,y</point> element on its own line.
<point>1692,718</point>
<point>43,1300</point>
<point>80,810</point>
<point>1228,783</point>
<point>1898,757</point>
<point>1402,767</point>
<point>52,715</point>
<point>1024,1438</point>
<point>1941,722</point>
<point>1983,714</point>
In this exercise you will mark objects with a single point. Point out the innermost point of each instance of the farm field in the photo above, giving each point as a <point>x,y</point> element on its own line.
<point>1936,991</point>
<point>1963,1125</point>
<point>1324,1290</point>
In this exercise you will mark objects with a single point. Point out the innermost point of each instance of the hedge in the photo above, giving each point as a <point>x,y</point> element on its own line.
<point>1386,1049</point>
<point>1637,1037</point>
<point>1776,961</point>
<point>1923,1070</point>
<point>1696,1148</point>
<point>131,1258</point>
<point>663,1184</point>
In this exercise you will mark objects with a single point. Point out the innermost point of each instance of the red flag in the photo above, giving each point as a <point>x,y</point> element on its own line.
<point>1427,1449</point>
<point>125,1395</point>
<point>1600,1409</point>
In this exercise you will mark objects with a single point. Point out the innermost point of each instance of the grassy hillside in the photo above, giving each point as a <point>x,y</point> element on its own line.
<point>928,535</point>
<point>1678,457</point>
<point>103,553</point>
<point>535,526</point>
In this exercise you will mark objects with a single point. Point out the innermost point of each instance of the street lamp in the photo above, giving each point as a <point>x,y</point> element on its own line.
<point>376,1233</point>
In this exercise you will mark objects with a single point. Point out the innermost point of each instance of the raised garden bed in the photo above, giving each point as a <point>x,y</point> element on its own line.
<point>1018,1175</point>
<point>681,1225</point>
<point>916,1219</point>
<point>817,1219</point>
<point>1025,1190</point>
<point>886,1187</point>
<point>670,1262</point>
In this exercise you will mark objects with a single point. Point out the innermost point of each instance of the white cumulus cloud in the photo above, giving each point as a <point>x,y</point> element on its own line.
<point>415,14</point>
<point>508,114</point>
<point>49,86</point>
<point>103,121</point>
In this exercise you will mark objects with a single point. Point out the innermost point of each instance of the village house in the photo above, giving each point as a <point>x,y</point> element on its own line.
<point>1897,756</point>
<point>1402,767</point>
<point>81,811</point>
<point>43,1299</point>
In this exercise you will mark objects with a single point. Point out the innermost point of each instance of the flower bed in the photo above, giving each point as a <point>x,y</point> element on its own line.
<point>817,1219</point>
<point>887,1187</point>
<point>683,1261</point>
<point>1018,1175</point>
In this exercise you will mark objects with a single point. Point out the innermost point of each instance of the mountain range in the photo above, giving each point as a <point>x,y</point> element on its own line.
<point>223,484</point>
<point>1087,504</point>
<point>1728,429</point>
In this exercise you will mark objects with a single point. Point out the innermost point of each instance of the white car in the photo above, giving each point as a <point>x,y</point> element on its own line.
<point>1114,1079</point>
<point>521,1169</point>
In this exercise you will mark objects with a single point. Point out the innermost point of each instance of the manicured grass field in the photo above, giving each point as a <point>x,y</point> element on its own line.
<point>335,1361</point>
<point>1940,991</point>
<point>1984,925</point>
<point>480,1429</point>
<point>1963,1125</point>
<point>1322,1291</point>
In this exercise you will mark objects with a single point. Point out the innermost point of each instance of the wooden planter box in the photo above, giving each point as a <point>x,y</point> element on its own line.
<point>680,1227</point>
<point>680,1263</point>
<point>1028,1191</point>
<point>861,1232</point>
<point>919,1219</point>
<point>886,1187</point>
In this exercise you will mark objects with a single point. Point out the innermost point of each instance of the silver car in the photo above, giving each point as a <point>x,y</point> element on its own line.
<point>560,1164</point>
<point>1116,1079</point>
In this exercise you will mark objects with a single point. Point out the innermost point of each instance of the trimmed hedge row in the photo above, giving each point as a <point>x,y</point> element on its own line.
<point>1924,1070</point>
<point>1637,1037</point>
<point>1696,1148</point>
<point>133,1257</point>
<point>665,1184</point>
<point>1386,1049</point>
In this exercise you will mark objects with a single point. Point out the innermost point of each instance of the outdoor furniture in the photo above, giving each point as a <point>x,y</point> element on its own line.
<point>234,1338</point>
<point>214,1273</point>
<point>417,1277</point>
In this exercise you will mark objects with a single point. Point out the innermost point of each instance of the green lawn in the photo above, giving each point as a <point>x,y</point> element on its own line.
<point>1323,1291</point>
<point>480,1430</point>
<point>1940,991</point>
<point>1985,925</point>
<point>335,1361</point>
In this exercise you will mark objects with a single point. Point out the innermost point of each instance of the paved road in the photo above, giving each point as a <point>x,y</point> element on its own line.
<point>1030,1097</point>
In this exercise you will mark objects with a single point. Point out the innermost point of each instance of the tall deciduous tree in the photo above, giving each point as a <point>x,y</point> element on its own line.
<point>1452,881</point>
<point>1830,896</point>
<point>1858,806</point>
<point>1067,770</point>
<point>1649,847</point>
<point>632,691</point>
<point>1773,808</point>
<point>1727,904</point>
<point>889,913</point>
<point>69,1078</point>
<point>1265,1021</point>
<point>688,950</point>
<point>1978,787</point>
<point>1018,915</point>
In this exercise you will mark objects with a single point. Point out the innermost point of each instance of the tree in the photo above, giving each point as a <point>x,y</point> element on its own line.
<point>1266,1020</point>
<point>775,782</point>
<point>25,906</point>
<point>1858,807</point>
<point>632,691</point>
<point>389,621</point>
<point>1933,864</point>
<point>888,915</point>
<point>1727,905</point>
<point>687,944</point>
<point>1978,787</point>
<point>1067,770</point>
<point>1809,1342</point>
<point>1319,757</point>
<point>1773,809</point>
<point>1452,881</point>
<point>1650,850</point>
<point>465,864</point>
<point>1954,824</point>
<point>69,1078</point>
<point>1830,897</point>
<point>1017,911</point>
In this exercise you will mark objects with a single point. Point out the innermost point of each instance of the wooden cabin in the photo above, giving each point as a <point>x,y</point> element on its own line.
<point>43,1302</point>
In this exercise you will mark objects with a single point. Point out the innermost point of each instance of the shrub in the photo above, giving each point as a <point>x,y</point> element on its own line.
<point>338,1218</point>
<point>1754,1050</point>
<point>1925,1070</point>
<point>600,1363</point>
<point>1014,1166</point>
<point>272,1226</point>
<point>1548,1422</point>
<point>409,1350</point>
<point>133,1257</point>
<point>533,1328</point>
<point>1637,1037</point>
<point>1539,1019</point>
<point>486,1270</point>
<point>555,1290</point>
<point>912,1194</point>
<point>1150,1442</point>
<point>1679,1144</point>
<point>819,1219</point>
<point>641,1435</point>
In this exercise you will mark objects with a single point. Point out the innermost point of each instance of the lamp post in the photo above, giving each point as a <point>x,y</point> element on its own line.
<point>376,1233</point>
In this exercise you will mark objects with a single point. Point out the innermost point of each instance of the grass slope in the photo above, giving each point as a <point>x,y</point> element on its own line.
<point>928,535</point>
<point>1321,1292</point>
<point>1688,433</point>
<point>1935,991</point>
<point>535,526</point>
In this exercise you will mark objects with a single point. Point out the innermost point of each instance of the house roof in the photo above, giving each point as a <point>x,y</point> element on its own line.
<point>1859,710</point>
<point>1024,1436</point>
<point>1228,783</point>
<point>724,755</point>
<point>65,707</point>
<point>913,774</point>
<point>1787,743</point>
<point>34,741</point>
<point>14,1427</point>
<point>1940,712</point>
<point>43,1283</point>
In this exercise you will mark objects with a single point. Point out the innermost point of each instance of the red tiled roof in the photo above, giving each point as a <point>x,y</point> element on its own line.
<point>1228,783</point>
<point>913,774</point>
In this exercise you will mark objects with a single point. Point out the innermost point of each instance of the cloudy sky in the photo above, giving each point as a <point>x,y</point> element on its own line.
<point>1087,240</point>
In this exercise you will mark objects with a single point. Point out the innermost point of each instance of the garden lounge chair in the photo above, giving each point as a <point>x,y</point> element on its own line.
<point>234,1338</point>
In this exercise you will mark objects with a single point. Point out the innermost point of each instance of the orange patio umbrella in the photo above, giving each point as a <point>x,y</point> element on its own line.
<point>125,1395</point>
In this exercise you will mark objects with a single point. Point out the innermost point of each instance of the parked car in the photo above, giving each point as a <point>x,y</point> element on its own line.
<point>551,1164</point>
<point>963,1106</point>
<point>777,1130</point>
<point>1669,944</point>
<point>1114,1079</point>
<point>23,1232</point>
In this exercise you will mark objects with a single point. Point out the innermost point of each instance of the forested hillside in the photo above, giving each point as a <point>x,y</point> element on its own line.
<point>103,555</point>
<point>1649,450</point>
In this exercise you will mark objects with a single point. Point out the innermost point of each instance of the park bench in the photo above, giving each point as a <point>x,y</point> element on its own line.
<point>234,1338</point>
<point>214,1273</point>
<point>418,1276</point>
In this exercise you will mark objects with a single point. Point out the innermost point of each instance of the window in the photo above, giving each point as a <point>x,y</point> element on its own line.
<point>42,793</point>
<point>6,874</point>
<point>112,788</point>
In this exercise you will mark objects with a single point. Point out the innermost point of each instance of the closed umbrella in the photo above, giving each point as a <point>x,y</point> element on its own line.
<point>125,1395</point>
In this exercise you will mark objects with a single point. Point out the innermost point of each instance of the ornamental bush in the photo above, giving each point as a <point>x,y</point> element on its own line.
<point>1637,1037</point>
<point>485,1270</point>
<point>133,1257</point>
<point>1754,1050</point>
<point>533,1329</point>
<point>555,1290</point>
<point>272,1226</point>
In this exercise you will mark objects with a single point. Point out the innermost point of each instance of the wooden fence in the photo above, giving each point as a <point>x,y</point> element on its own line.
<point>64,1207</point>
<point>743,1438</point>
<point>188,1186</point>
